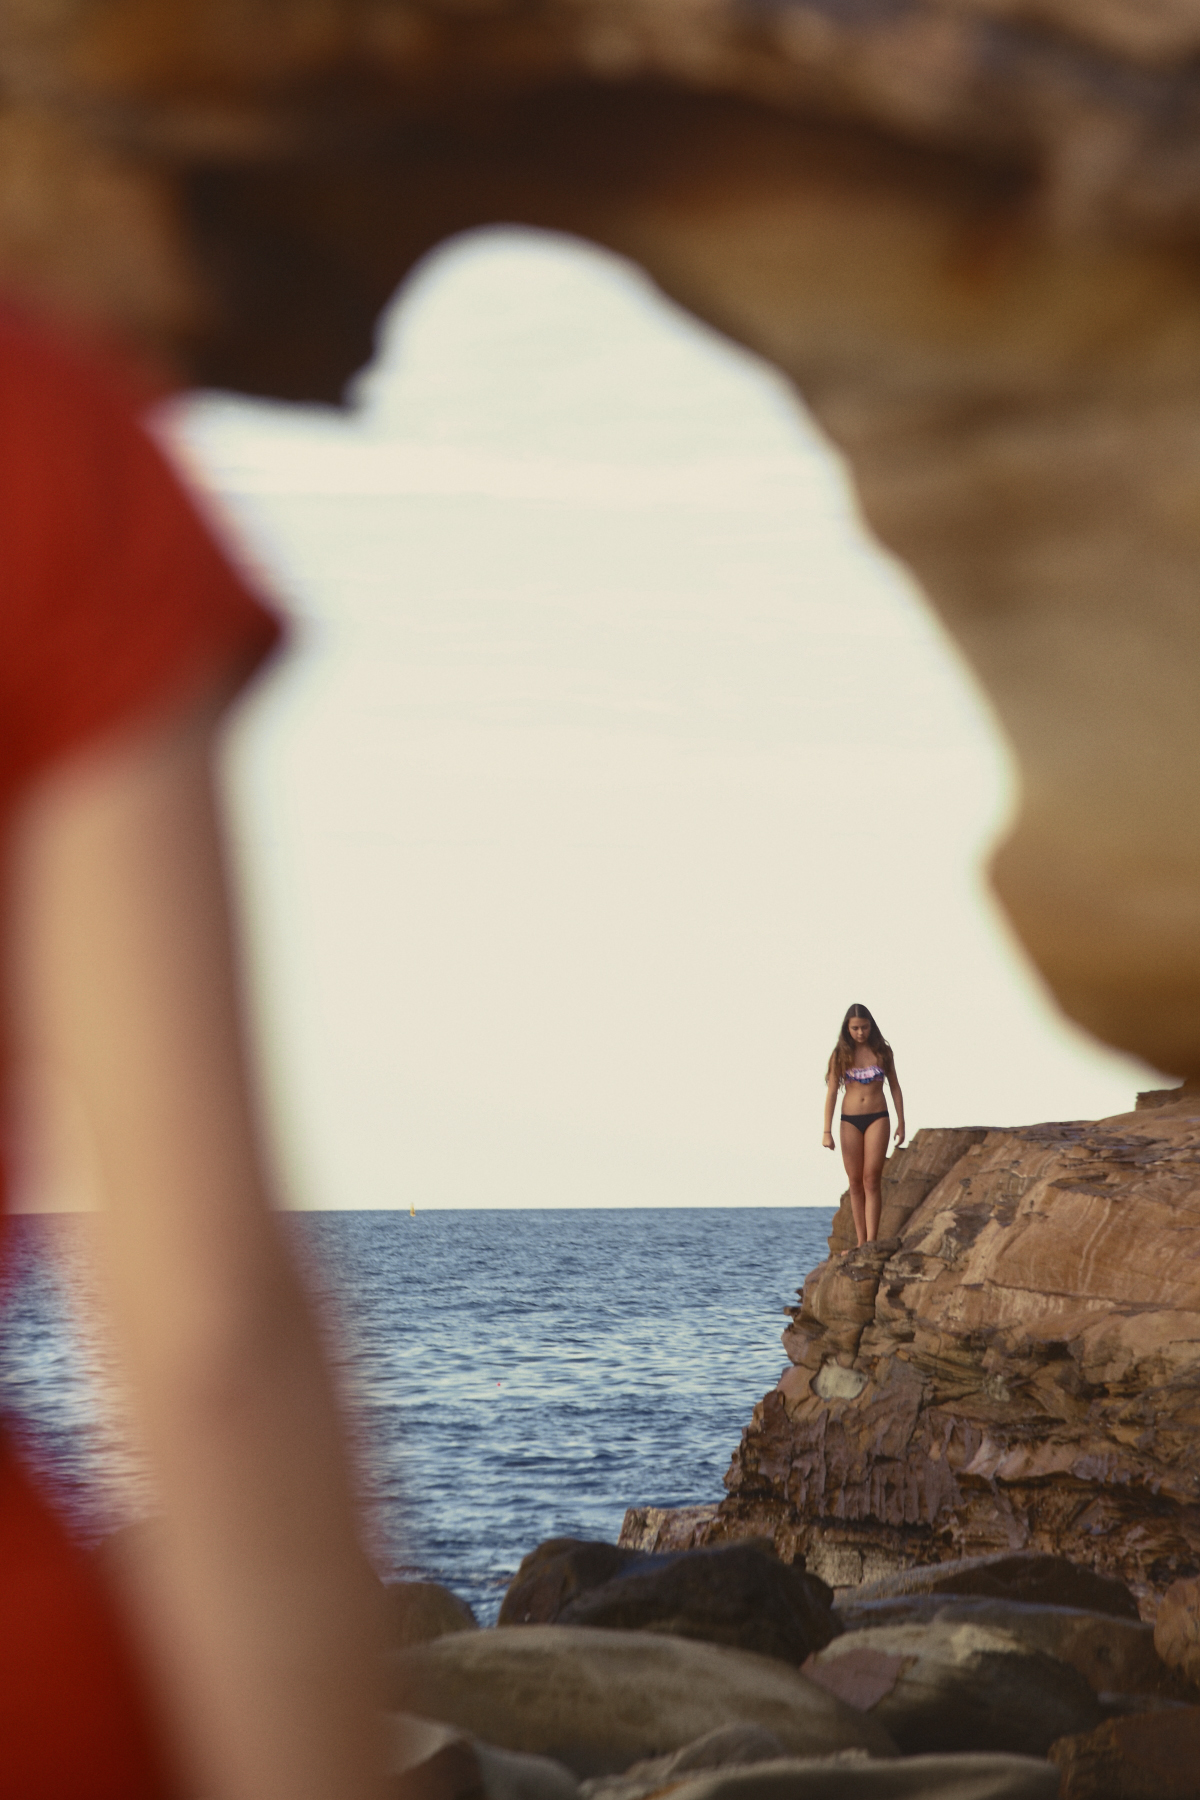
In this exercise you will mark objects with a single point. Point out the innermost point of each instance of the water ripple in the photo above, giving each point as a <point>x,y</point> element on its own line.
<point>512,1376</point>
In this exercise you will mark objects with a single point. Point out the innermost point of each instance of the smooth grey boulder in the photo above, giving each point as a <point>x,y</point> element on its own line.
<point>1027,1575</point>
<point>729,1747</point>
<point>515,1775</point>
<point>957,1687</point>
<point>741,1595</point>
<point>600,1700</point>
<point>416,1612</point>
<point>860,1778</point>
<point>1113,1655</point>
<point>428,1761</point>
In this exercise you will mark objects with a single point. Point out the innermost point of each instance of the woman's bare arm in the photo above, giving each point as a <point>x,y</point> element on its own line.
<point>898,1097</point>
<point>255,1600</point>
<point>831,1094</point>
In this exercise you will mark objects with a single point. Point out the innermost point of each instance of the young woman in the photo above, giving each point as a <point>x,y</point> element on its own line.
<point>861,1062</point>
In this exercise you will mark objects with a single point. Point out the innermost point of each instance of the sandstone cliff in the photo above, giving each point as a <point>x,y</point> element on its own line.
<point>1015,1364</point>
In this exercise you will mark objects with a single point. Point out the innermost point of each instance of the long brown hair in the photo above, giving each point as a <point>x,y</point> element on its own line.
<point>843,1050</point>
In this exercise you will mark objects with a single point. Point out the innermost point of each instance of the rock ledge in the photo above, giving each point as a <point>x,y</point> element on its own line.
<point>1015,1365</point>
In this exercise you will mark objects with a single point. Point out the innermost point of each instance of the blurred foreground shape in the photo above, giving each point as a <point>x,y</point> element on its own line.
<point>967,229</point>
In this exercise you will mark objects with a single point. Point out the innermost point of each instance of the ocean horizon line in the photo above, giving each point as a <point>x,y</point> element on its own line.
<point>404,1208</point>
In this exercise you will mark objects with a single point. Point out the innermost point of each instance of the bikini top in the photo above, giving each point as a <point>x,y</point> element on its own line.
<point>874,1073</point>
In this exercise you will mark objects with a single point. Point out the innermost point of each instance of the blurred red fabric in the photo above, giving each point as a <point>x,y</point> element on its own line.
<point>116,605</point>
<point>75,1719</point>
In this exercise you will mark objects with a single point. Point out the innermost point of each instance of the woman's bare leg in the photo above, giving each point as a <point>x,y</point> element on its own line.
<point>852,1157</point>
<point>875,1145</point>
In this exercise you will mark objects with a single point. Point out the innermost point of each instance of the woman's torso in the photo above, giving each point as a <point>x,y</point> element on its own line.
<point>864,1085</point>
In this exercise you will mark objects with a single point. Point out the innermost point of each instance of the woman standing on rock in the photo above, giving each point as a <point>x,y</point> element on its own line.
<point>861,1062</point>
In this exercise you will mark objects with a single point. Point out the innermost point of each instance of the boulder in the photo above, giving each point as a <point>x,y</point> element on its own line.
<point>740,1595</point>
<point>957,1687</point>
<point>600,1700</point>
<point>427,1761</point>
<point>551,1576</point>
<point>853,1777</point>
<point>512,1775</point>
<point>1177,1629</point>
<point>1151,1756</point>
<point>417,1611</point>
<point>1115,1656</point>
<point>730,1746</point>
<point>1036,1579</point>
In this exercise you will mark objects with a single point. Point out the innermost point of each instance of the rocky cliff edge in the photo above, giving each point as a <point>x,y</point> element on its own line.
<point>1014,1365</point>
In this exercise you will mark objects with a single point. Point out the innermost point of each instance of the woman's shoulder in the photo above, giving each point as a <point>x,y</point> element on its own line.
<point>117,598</point>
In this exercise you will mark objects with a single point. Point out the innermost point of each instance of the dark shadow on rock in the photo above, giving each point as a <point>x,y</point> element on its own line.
<point>1154,1756</point>
<point>739,1595</point>
<point>551,1576</point>
<point>1029,1576</point>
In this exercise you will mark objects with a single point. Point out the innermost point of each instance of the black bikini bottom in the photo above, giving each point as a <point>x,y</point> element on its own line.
<point>861,1121</point>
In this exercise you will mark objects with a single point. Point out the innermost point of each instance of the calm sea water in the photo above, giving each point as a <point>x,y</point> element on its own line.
<point>513,1376</point>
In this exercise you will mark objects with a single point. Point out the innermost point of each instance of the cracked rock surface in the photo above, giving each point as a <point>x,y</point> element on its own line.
<point>1015,1365</point>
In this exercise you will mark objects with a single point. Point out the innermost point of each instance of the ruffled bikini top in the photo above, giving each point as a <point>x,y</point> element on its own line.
<point>874,1073</point>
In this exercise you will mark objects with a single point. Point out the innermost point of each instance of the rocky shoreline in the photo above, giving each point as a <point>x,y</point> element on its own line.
<point>728,1674</point>
<point>959,1554</point>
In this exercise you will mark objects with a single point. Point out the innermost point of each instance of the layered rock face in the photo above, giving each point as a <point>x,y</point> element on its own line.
<point>1014,1365</point>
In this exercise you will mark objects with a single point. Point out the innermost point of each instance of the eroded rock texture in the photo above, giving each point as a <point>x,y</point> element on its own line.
<point>1150,1757</point>
<point>967,229</point>
<point>1015,1365</point>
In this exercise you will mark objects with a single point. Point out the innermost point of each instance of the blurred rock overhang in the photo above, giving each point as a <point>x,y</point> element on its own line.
<point>966,229</point>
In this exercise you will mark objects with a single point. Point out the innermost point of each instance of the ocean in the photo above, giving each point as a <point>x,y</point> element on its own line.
<point>511,1375</point>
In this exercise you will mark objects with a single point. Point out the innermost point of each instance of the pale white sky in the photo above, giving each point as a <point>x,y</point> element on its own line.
<point>613,762</point>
